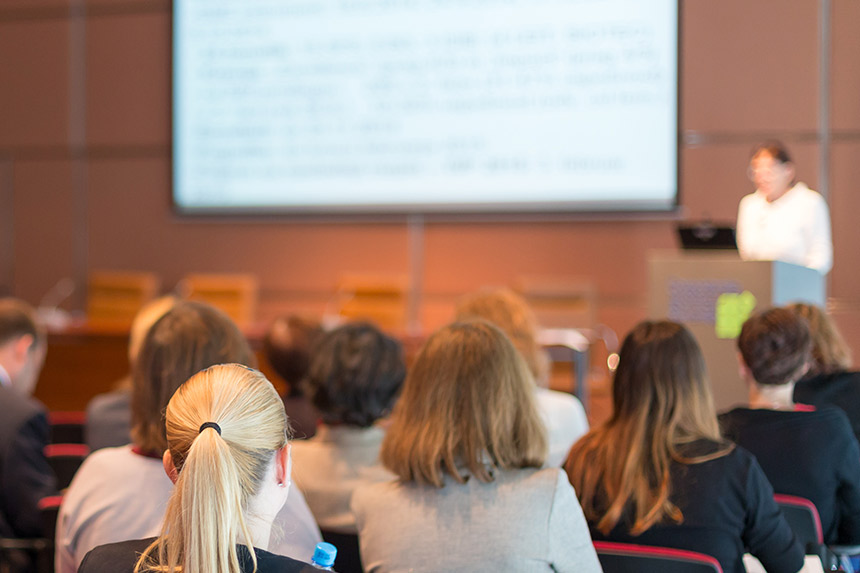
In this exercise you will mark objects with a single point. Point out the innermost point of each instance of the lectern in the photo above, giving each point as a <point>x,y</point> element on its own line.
<point>713,293</point>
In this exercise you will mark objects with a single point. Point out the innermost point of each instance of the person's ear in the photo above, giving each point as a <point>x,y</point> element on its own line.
<point>169,468</point>
<point>283,466</point>
<point>21,347</point>
<point>744,371</point>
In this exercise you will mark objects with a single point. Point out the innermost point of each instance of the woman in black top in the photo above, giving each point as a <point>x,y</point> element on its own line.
<point>230,460</point>
<point>658,473</point>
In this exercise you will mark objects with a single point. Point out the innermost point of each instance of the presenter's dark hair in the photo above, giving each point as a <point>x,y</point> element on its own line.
<point>775,149</point>
<point>355,375</point>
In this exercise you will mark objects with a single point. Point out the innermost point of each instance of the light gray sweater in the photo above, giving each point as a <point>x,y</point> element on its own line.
<point>525,520</point>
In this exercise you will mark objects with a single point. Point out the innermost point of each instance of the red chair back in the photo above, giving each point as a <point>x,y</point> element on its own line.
<point>631,558</point>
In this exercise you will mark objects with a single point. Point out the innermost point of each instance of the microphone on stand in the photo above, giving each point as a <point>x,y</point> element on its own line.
<point>49,311</point>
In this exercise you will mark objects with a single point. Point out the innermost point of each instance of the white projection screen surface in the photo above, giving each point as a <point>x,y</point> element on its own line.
<point>401,106</point>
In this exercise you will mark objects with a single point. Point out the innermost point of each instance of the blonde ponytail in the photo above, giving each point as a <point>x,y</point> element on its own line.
<point>219,472</point>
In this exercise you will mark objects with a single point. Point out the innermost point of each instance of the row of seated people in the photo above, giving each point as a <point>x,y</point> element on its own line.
<point>466,483</point>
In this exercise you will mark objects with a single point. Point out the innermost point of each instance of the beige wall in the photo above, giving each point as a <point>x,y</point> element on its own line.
<point>84,165</point>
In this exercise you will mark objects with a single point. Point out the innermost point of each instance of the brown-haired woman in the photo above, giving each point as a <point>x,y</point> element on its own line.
<point>229,458</point>
<point>830,380</point>
<point>121,493</point>
<point>562,413</point>
<point>467,443</point>
<point>658,473</point>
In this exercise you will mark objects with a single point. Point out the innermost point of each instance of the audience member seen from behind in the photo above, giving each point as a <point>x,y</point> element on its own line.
<point>562,413</point>
<point>830,380</point>
<point>109,414</point>
<point>354,378</point>
<point>229,458</point>
<point>25,476</point>
<point>658,473</point>
<point>467,444</point>
<point>121,493</point>
<point>288,345</point>
<point>810,454</point>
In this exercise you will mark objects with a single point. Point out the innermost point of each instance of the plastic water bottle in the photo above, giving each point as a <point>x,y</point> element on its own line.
<point>324,555</point>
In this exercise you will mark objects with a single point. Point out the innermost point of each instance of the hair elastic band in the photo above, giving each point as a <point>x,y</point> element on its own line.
<point>212,425</point>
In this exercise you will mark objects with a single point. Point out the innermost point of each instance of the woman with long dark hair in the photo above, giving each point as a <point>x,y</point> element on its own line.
<point>658,473</point>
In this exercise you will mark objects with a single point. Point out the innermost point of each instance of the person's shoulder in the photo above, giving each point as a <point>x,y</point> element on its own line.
<point>557,399</point>
<point>24,407</point>
<point>802,191</point>
<point>115,557</point>
<point>267,562</point>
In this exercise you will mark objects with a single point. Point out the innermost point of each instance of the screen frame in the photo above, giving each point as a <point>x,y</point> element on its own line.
<point>438,212</point>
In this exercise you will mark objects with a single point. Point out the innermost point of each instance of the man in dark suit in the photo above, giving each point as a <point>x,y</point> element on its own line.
<point>25,476</point>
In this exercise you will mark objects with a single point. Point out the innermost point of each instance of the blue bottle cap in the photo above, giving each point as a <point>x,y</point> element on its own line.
<point>324,554</point>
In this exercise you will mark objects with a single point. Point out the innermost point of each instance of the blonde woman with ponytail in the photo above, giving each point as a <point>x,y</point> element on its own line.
<point>229,458</point>
<point>658,473</point>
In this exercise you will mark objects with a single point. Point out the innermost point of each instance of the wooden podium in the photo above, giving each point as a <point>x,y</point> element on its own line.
<point>713,293</point>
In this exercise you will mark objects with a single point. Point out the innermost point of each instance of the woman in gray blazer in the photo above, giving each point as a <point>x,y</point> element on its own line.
<point>467,444</point>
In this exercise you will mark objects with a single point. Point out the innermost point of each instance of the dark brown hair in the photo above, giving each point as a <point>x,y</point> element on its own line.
<point>776,346</point>
<point>190,337</point>
<point>355,375</point>
<point>287,346</point>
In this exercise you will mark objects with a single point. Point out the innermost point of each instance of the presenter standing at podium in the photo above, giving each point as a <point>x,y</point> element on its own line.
<point>783,220</point>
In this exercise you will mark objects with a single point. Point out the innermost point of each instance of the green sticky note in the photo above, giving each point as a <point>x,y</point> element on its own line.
<point>732,311</point>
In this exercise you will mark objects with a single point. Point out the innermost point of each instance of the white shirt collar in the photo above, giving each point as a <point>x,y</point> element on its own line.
<point>5,380</point>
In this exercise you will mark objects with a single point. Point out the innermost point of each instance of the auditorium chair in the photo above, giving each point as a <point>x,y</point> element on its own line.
<point>235,294</point>
<point>632,558</point>
<point>380,299</point>
<point>114,297</point>
<point>802,516</point>
<point>67,427</point>
<point>65,459</point>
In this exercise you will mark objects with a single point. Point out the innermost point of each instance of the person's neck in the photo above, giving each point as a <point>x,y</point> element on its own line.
<point>776,196</point>
<point>260,528</point>
<point>772,397</point>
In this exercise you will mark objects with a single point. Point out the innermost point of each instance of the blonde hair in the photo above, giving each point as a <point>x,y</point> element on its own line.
<point>512,314</point>
<point>661,401</point>
<point>218,473</point>
<point>467,405</point>
<point>830,353</point>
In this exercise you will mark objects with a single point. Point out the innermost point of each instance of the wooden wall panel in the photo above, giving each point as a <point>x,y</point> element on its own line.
<point>750,66</point>
<point>34,79</point>
<point>128,85</point>
<point>845,58</point>
<point>46,228</point>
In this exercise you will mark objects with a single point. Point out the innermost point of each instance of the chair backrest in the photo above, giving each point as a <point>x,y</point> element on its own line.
<point>115,297</point>
<point>802,516</point>
<point>632,558</point>
<point>381,299</point>
<point>65,459</point>
<point>234,294</point>
<point>67,427</point>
